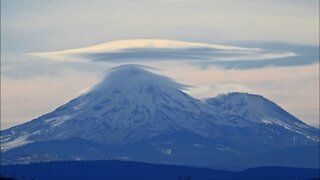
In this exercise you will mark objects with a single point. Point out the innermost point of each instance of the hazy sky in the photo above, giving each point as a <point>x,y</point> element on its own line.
<point>34,85</point>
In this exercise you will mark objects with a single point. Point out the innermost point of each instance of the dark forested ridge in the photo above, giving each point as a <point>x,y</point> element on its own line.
<point>124,170</point>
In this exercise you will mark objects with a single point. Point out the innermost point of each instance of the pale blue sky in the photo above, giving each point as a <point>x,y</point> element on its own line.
<point>32,86</point>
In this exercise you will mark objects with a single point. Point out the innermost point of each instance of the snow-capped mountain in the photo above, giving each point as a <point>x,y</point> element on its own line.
<point>134,114</point>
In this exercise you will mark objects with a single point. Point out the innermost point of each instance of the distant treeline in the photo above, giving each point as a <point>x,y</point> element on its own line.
<point>124,170</point>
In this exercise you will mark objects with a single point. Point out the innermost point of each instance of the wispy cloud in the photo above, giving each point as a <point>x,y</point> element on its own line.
<point>296,89</point>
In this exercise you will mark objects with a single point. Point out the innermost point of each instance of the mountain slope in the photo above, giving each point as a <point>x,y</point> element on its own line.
<point>264,113</point>
<point>142,116</point>
<point>256,109</point>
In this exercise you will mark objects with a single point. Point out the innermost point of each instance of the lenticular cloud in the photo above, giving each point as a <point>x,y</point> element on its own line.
<point>145,50</point>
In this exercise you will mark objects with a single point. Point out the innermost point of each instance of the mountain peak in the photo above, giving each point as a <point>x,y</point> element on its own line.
<point>254,107</point>
<point>135,76</point>
<point>130,71</point>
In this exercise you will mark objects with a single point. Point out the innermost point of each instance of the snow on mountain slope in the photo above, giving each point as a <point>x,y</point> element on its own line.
<point>258,109</point>
<point>134,108</point>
